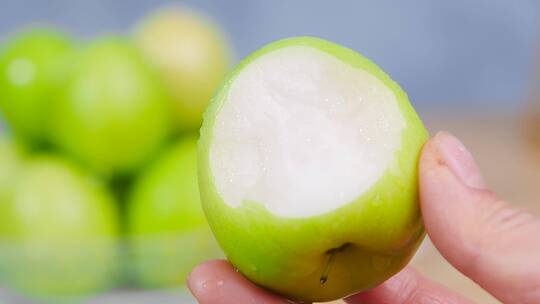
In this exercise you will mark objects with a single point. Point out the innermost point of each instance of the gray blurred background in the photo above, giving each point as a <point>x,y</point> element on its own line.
<point>444,53</point>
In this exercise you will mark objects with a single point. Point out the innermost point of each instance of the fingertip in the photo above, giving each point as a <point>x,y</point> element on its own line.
<point>217,282</point>
<point>431,159</point>
<point>482,236</point>
<point>445,151</point>
<point>449,204</point>
<point>447,171</point>
<point>204,278</point>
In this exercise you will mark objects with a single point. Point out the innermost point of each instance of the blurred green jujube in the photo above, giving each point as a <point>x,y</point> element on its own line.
<point>29,80</point>
<point>112,114</point>
<point>12,157</point>
<point>57,231</point>
<point>168,231</point>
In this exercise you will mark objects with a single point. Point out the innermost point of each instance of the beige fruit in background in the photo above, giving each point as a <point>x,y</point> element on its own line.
<point>191,55</point>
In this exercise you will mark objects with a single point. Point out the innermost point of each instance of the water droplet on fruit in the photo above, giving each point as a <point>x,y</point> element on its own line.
<point>220,283</point>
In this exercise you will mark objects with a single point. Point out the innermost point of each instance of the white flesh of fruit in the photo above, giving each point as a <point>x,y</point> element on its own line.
<point>303,133</point>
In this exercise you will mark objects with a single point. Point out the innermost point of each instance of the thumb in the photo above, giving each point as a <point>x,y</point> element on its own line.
<point>488,240</point>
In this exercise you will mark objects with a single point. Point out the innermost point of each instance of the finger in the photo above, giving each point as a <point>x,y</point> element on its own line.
<point>493,243</point>
<point>407,287</point>
<point>217,282</point>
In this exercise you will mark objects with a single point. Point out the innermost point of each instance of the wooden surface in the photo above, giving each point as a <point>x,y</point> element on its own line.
<point>511,168</point>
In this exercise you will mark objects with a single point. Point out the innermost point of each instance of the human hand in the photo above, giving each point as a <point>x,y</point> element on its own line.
<point>487,239</point>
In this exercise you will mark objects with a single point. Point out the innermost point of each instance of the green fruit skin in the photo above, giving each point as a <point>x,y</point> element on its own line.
<point>169,234</point>
<point>191,56</point>
<point>12,160</point>
<point>57,231</point>
<point>113,113</point>
<point>288,255</point>
<point>29,81</point>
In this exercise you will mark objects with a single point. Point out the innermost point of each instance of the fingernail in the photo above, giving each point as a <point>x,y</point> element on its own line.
<point>459,160</point>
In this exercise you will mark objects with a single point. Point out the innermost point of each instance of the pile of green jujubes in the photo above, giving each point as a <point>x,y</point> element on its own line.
<point>98,181</point>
